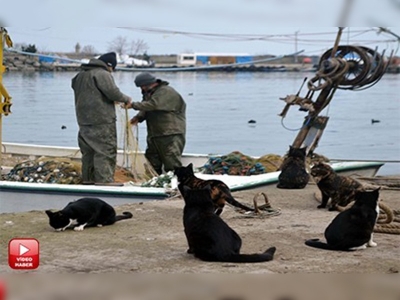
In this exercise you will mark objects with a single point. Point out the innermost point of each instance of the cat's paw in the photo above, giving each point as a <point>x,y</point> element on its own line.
<point>321,206</point>
<point>332,208</point>
<point>371,243</point>
<point>362,247</point>
<point>79,228</point>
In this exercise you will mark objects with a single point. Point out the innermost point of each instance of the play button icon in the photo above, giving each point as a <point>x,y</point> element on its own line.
<point>23,249</point>
<point>23,254</point>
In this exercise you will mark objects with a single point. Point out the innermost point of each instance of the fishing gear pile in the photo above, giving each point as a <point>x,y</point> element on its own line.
<point>46,170</point>
<point>163,180</point>
<point>236,163</point>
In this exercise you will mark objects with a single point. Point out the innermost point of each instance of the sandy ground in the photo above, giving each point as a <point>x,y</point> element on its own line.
<point>153,240</point>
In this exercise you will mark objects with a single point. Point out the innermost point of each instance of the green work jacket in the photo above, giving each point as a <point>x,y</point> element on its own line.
<point>164,110</point>
<point>95,94</point>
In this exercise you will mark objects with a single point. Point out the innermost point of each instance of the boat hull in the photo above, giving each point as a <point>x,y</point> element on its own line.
<point>134,193</point>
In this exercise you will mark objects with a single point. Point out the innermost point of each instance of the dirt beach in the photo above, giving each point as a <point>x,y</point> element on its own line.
<point>153,240</point>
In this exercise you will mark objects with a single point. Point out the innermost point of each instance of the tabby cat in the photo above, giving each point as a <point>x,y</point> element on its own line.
<point>220,192</point>
<point>352,229</point>
<point>208,236</point>
<point>293,170</point>
<point>340,189</point>
<point>85,212</point>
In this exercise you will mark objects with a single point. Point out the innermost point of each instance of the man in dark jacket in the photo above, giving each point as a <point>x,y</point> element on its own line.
<point>164,110</point>
<point>95,97</point>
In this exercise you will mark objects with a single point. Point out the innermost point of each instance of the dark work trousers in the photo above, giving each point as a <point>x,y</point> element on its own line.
<point>165,152</point>
<point>98,144</point>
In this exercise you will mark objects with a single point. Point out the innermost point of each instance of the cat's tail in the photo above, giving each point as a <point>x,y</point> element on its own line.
<point>125,215</point>
<point>316,243</point>
<point>232,201</point>
<point>252,258</point>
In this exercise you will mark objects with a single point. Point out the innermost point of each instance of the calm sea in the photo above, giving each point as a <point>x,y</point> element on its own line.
<point>219,106</point>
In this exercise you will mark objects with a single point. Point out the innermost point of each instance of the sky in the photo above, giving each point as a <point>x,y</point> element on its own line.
<point>178,26</point>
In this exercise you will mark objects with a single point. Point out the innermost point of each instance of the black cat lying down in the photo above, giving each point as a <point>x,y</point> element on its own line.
<point>352,229</point>
<point>208,236</point>
<point>85,212</point>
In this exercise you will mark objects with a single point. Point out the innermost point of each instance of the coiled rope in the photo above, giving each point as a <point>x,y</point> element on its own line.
<point>261,211</point>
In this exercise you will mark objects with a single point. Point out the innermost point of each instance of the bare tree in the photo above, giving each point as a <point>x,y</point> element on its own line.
<point>138,46</point>
<point>88,49</point>
<point>118,45</point>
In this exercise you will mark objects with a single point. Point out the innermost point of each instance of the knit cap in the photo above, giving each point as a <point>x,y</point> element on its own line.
<point>144,79</point>
<point>110,59</point>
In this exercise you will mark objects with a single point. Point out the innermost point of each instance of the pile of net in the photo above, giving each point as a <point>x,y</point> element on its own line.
<point>236,163</point>
<point>46,170</point>
<point>163,181</point>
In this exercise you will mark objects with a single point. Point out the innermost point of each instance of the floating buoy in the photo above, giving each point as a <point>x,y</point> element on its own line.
<point>374,121</point>
<point>63,127</point>
<point>252,122</point>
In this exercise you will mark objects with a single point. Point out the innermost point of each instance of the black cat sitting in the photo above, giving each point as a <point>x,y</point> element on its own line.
<point>208,236</point>
<point>293,170</point>
<point>352,229</point>
<point>220,192</point>
<point>85,212</point>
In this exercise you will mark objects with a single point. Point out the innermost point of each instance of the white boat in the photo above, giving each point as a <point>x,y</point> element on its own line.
<point>235,183</point>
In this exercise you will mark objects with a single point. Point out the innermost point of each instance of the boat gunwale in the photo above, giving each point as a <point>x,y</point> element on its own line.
<point>138,191</point>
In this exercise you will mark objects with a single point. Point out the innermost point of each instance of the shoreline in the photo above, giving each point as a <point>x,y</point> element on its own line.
<point>15,62</point>
<point>153,241</point>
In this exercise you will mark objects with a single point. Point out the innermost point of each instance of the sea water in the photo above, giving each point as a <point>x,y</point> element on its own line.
<point>219,108</point>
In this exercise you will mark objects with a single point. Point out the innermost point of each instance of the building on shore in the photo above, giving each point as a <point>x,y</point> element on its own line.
<point>198,59</point>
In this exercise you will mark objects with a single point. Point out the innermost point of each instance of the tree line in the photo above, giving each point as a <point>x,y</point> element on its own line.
<point>120,45</point>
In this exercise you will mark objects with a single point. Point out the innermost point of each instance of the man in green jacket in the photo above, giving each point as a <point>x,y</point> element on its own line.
<point>164,110</point>
<point>95,97</point>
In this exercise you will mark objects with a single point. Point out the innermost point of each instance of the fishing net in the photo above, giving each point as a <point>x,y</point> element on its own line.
<point>236,163</point>
<point>60,170</point>
<point>134,166</point>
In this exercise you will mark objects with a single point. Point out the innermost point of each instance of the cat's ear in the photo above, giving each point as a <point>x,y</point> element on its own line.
<point>190,166</point>
<point>376,191</point>
<point>49,213</point>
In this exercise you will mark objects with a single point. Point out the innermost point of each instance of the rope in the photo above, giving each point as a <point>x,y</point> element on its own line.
<point>261,211</point>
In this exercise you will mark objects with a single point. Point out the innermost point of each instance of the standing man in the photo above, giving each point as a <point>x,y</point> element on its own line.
<point>164,110</point>
<point>95,97</point>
